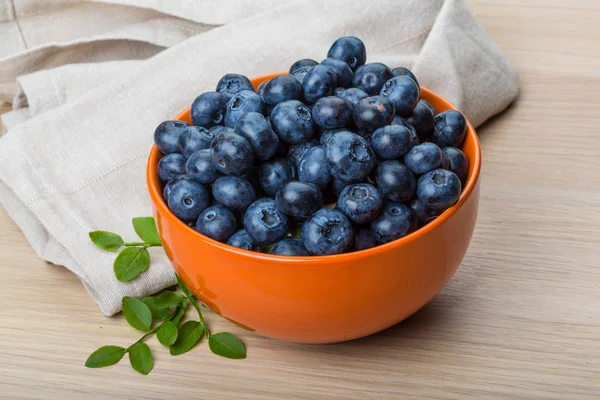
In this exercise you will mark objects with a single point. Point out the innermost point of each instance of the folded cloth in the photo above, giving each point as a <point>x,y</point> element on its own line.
<point>77,164</point>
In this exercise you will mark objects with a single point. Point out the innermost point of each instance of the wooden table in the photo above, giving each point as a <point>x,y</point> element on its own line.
<point>521,318</point>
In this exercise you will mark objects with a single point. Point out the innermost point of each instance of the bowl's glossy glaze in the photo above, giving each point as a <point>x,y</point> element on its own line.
<point>322,299</point>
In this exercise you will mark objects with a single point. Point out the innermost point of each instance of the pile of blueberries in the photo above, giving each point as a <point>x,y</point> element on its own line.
<point>257,168</point>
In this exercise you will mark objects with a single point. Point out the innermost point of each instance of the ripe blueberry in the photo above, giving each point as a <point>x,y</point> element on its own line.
<point>328,232</point>
<point>423,158</point>
<point>361,203</point>
<point>171,166</point>
<point>439,189</point>
<point>231,154</point>
<point>231,84</point>
<point>188,198</point>
<point>292,122</point>
<point>234,192</point>
<point>208,109</point>
<point>217,222</point>
<point>264,222</point>
<point>257,131</point>
<point>395,181</point>
<point>403,92</point>
<point>396,220</point>
<point>349,49</point>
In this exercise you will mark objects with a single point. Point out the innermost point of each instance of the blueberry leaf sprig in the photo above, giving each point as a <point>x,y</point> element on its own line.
<point>168,309</point>
<point>134,258</point>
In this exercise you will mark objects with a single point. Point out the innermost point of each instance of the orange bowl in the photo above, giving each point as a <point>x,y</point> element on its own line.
<point>322,299</point>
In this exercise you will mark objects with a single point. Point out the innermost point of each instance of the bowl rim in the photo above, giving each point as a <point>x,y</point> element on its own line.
<point>155,192</point>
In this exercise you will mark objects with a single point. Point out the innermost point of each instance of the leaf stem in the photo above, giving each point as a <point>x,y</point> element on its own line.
<point>200,316</point>
<point>141,244</point>
<point>155,329</point>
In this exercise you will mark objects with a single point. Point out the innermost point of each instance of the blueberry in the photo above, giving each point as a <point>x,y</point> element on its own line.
<point>292,122</point>
<point>199,166</point>
<point>261,87</point>
<point>396,220</point>
<point>264,222</point>
<point>450,129</point>
<point>280,89</point>
<point>242,240</point>
<point>217,222</point>
<point>349,157</point>
<point>423,158</point>
<point>392,141</point>
<point>349,49</point>
<point>371,77</point>
<point>342,71</point>
<point>421,119</point>
<point>398,120</point>
<point>194,138</point>
<point>373,112</point>
<point>242,103</point>
<point>305,62</point>
<point>290,247</point>
<point>166,136</point>
<point>423,213</point>
<point>431,107</point>
<point>257,131</point>
<point>457,163</point>
<point>231,153</point>
<point>296,151</point>
<point>328,232</point>
<point>272,174</point>
<point>234,192</point>
<point>208,109</point>
<point>361,203</point>
<point>168,187</point>
<point>188,198</point>
<point>232,84</point>
<point>439,189</point>
<point>353,96</point>
<point>301,72</point>
<point>171,166</point>
<point>313,167</point>
<point>403,92</point>
<point>395,181</point>
<point>299,199</point>
<point>364,239</point>
<point>326,135</point>
<point>332,112</point>
<point>401,71</point>
<point>319,82</point>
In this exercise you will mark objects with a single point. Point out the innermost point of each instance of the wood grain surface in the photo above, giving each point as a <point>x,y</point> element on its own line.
<point>520,319</point>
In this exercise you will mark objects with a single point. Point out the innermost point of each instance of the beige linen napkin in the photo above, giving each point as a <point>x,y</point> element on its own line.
<point>77,162</point>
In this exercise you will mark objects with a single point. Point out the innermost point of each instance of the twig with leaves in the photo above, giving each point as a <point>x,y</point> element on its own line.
<point>167,308</point>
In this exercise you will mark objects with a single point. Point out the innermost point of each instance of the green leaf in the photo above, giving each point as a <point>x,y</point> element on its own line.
<point>168,299</point>
<point>106,240</point>
<point>157,313</point>
<point>131,262</point>
<point>177,318</point>
<point>137,313</point>
<point>105,356</point>
<point>167,334</point>
<point>227,345</point>
<point>183,287</point>
<point>140,358</point>
<point>145,227</point>
<point>189,334</point>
